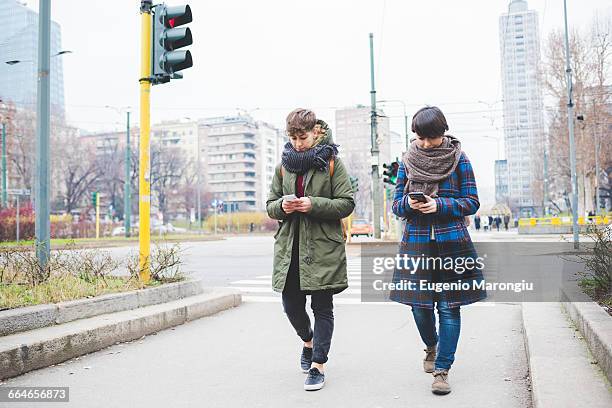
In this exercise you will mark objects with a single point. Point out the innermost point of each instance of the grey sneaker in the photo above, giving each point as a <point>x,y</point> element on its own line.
<point>306,359</point>
<point>430,357</point>
<point>440,385</point>
<point>315,380</point>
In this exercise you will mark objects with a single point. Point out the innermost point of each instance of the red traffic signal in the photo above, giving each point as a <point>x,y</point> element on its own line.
<point>176,16</point>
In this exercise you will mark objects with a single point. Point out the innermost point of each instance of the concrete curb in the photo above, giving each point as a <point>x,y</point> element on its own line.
<point>35,317</point>
<point>27,351</point>
<point>559,362</point>
<point>595,325</point>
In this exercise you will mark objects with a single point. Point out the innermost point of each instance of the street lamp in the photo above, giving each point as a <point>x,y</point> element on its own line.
<point>4,168</point>
<point>127,195</point>
<point>43,119</point>
<point>497,140</point>
<point>405,118</point>
<point>13,62</point>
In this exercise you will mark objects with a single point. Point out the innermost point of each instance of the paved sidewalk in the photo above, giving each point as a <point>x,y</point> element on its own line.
<point>563,371</point>
<point>248,357</point>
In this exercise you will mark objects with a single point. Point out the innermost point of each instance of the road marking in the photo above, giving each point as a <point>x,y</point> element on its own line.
<point>268,289</point>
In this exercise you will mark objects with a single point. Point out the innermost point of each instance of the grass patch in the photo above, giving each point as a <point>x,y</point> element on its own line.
<point>596,279</point>
<point>63,288</point>
<point>75,273</point>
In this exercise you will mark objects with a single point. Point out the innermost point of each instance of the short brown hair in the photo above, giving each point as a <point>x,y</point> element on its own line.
<point>300,121</point>
<point>429,122</point>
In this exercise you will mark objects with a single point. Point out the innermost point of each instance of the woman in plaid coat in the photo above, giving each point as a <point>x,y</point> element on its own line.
<point>449,274</point>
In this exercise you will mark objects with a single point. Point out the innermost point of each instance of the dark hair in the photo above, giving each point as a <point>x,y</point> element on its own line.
<point>429,122</point>
<point>300,121</point>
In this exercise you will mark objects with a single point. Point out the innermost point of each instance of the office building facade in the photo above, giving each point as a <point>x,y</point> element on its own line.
<point>523,106</point>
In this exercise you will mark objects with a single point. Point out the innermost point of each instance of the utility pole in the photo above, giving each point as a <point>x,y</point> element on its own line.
<point>42,229</point>
<point>375,151</point>
<point>144,171</point>
<point>596,136</point>
<point>597,147</point>
<point>198,188</point>
<point>127,199</point>
<point>97,208</point>
<point>4,170</point>
<point>570,125</point>
<point>545,180</point>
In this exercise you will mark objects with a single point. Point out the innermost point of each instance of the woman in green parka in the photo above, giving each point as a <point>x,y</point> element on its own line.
<point>310,194</point>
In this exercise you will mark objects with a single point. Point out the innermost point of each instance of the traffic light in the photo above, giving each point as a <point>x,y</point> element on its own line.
<point>167,38</point>
<point>390,172</point>
<point>354,183</point>
<point>94,198</point>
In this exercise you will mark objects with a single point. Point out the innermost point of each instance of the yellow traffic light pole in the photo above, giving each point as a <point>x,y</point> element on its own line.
<point>144,171</point>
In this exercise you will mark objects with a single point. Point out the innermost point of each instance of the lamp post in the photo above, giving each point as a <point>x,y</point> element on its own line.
<point>127,194</point>
<point>43,119</point>
<point>570,126</point>
<point>497,140</point>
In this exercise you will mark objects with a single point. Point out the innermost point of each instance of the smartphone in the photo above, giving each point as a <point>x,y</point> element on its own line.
<point>418,195</point>
<point>289,197</point>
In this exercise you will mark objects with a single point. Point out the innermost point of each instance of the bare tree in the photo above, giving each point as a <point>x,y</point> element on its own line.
<point>75,168</point>
<point>21,133</point>
<point>167,169</point>
<point>111,166</point>
<point>591,59</point>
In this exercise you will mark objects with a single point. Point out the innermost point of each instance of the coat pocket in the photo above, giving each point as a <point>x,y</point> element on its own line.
<point>333,231</point>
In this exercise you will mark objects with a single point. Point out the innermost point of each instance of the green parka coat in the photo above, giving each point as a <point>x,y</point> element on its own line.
<point>322,262</point>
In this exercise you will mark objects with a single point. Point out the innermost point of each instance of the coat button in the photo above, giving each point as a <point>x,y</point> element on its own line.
<point>307,260</point>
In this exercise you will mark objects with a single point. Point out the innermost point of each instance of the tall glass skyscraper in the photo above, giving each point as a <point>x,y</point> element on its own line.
<point>523,106</point>
<point>19,41</point>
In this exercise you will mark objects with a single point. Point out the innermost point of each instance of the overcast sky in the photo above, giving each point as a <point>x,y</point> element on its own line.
<point>270,56</point>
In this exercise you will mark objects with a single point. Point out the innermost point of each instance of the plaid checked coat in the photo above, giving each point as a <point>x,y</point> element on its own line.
<point>457,197</point>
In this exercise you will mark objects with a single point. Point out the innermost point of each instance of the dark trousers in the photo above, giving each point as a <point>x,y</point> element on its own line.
<point>321,302</point>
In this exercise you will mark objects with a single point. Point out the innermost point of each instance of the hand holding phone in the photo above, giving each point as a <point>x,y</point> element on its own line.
<point>288,203</point>
<point>423,203</point>
<point>418,196</point>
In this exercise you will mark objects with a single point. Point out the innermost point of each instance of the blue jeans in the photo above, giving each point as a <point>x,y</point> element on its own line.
<point>450,326</point>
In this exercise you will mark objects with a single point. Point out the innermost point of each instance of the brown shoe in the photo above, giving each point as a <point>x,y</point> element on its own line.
<point>440,385</point>
<point>430,357</point>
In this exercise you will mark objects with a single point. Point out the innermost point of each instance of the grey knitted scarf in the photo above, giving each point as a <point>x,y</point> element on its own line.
<point>428,167</point>
<point>300,162</point>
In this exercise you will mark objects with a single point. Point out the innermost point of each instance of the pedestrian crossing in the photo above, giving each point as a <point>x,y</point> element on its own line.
<point>259,289</point>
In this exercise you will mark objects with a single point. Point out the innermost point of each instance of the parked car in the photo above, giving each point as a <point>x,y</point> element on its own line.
<point>176,230</point>
<point>361,227</point>
<point>118,232</point>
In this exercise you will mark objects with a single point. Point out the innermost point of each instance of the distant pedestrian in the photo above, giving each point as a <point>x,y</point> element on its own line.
<point>477,222</point>
<point>309,252</point>
<point>436,166</point>
<point>498,221</point>
<point>485,223</point>
<point>490,222</point>
<point>506,221</point>
<point>252,227</point>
